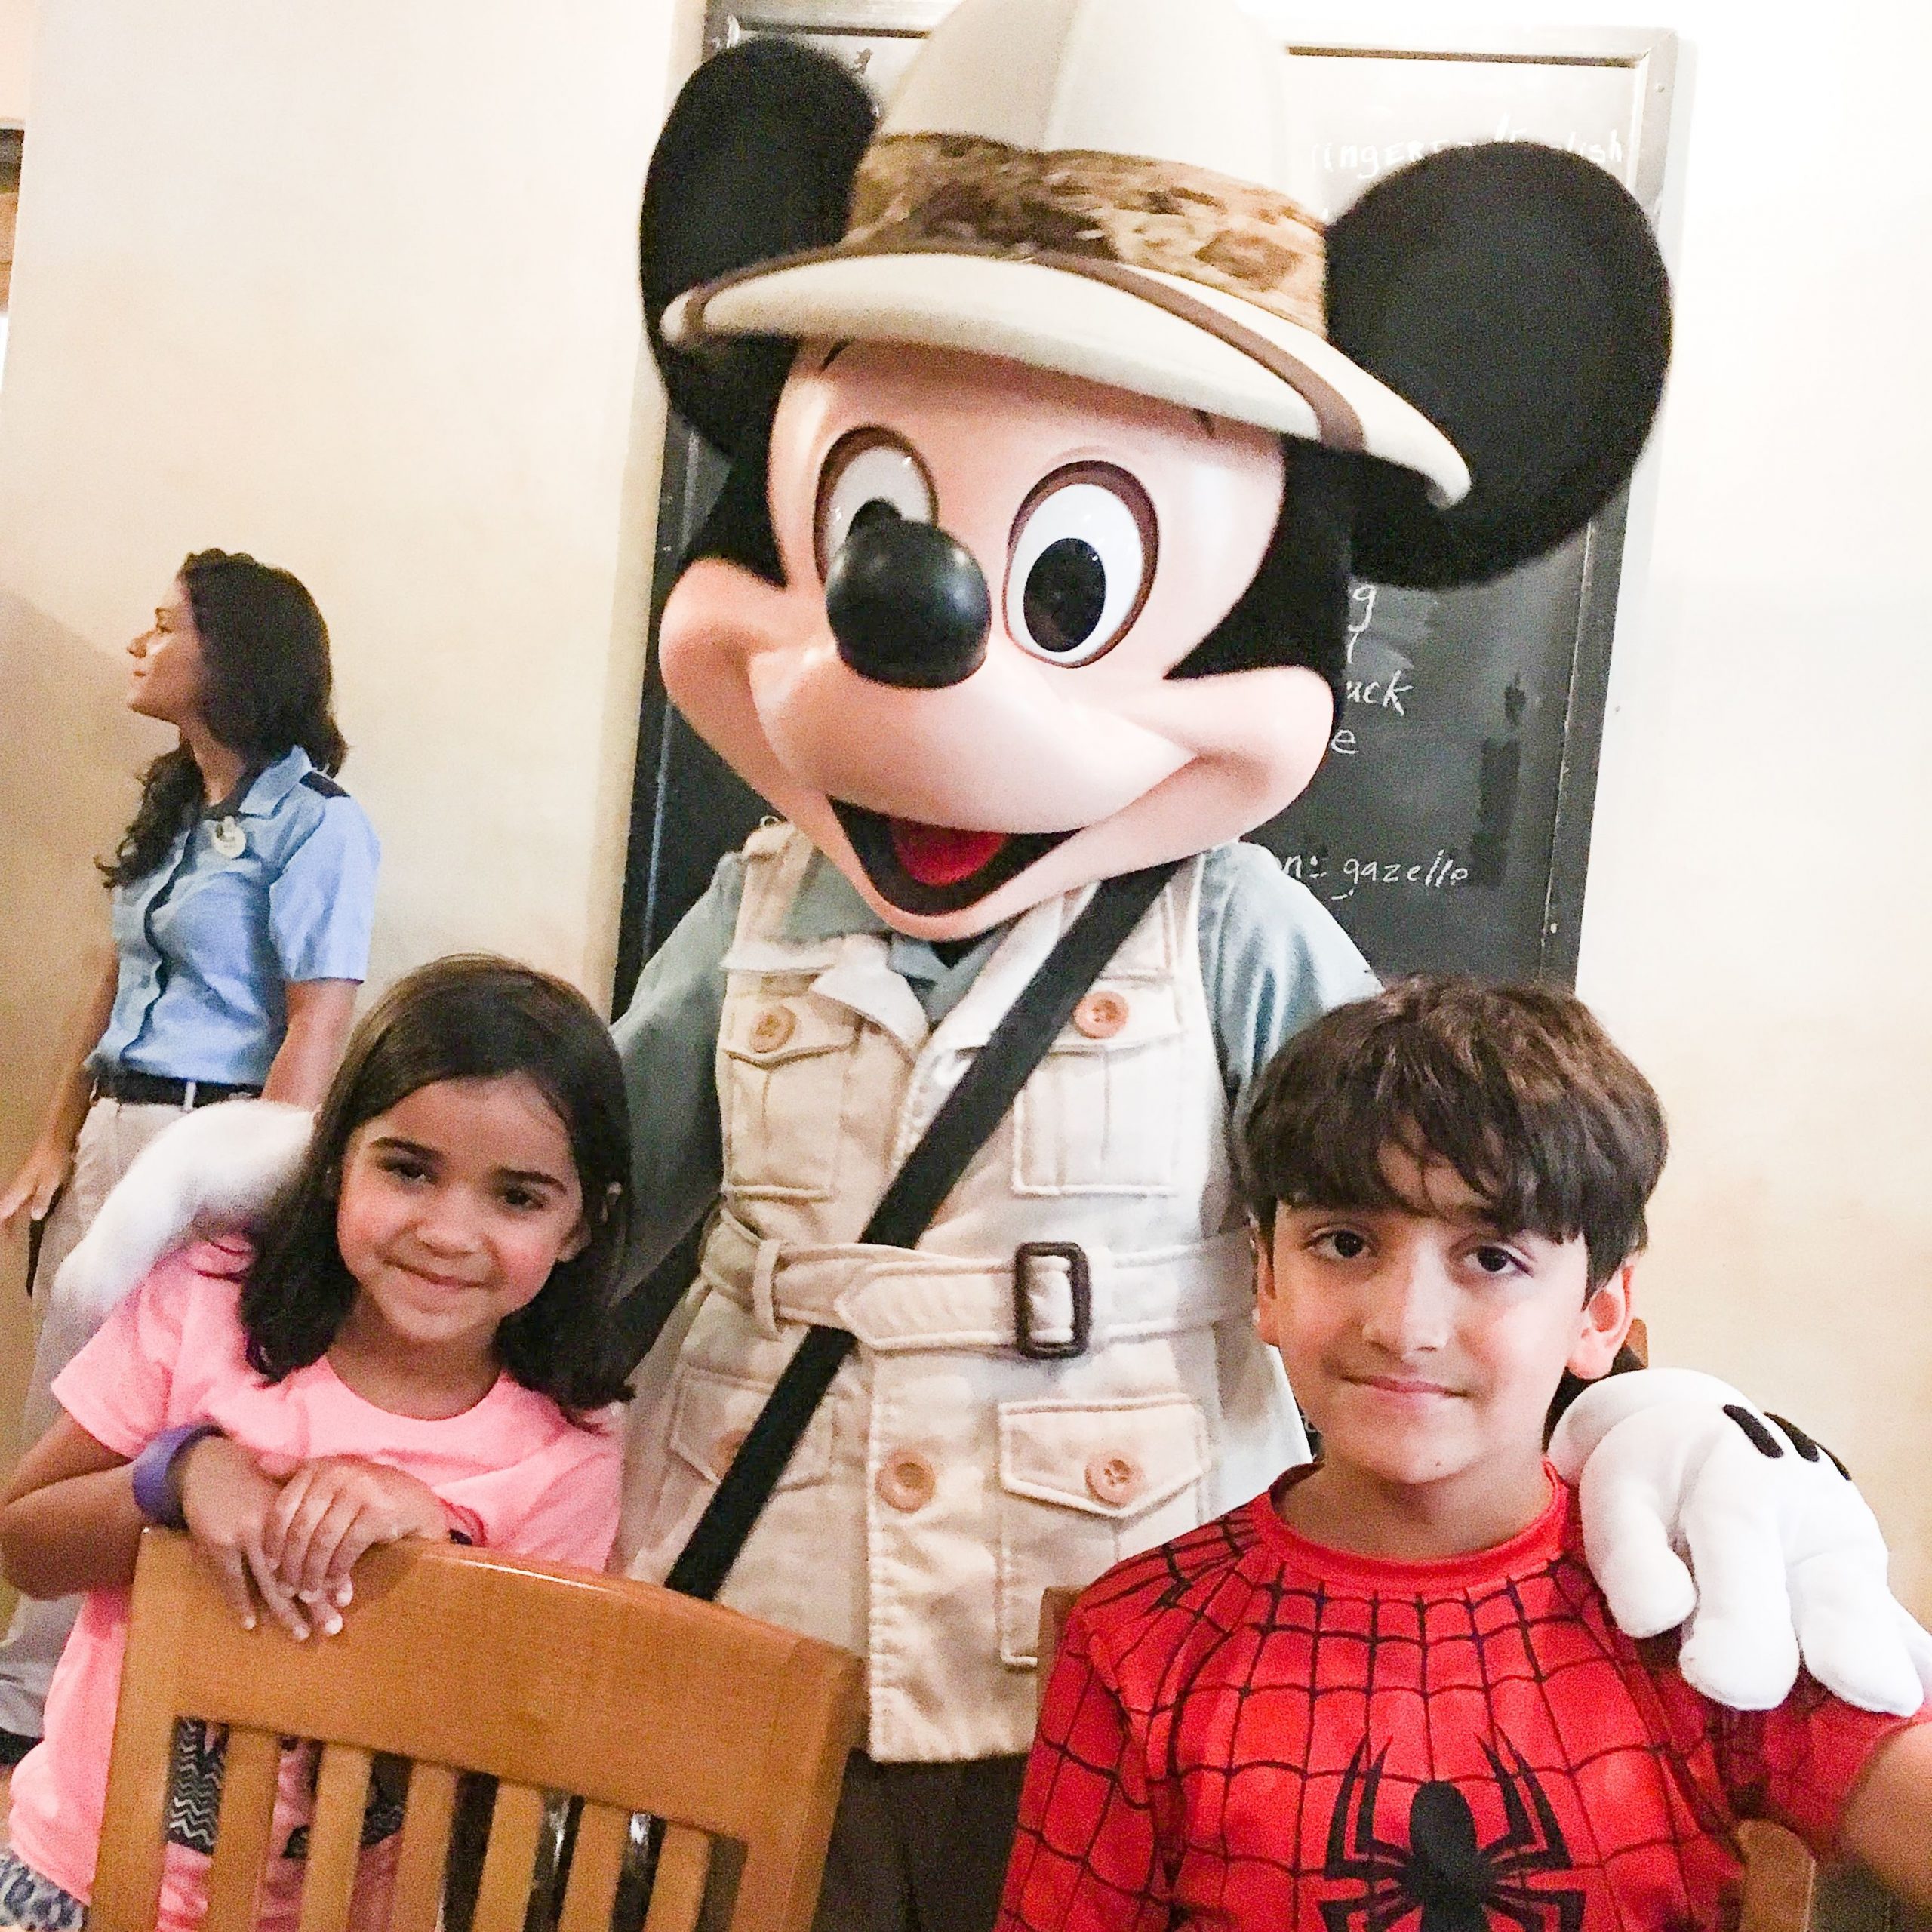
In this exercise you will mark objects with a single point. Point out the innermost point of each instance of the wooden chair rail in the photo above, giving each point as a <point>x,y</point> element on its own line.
<point>550,1680</point>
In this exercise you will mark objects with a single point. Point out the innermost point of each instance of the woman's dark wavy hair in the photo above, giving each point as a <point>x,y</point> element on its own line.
<point>265,652</point>
<point>468,1017</point>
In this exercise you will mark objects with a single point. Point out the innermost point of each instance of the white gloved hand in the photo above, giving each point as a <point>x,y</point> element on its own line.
<point>214,1168</point>
<point>1784,1558</point>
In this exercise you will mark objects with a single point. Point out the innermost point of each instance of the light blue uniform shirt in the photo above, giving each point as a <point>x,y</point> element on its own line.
<point>1271,955</point>
<point>209,940</point>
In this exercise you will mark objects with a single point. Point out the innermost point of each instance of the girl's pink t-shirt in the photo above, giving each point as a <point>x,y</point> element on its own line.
<point>514,1472</point>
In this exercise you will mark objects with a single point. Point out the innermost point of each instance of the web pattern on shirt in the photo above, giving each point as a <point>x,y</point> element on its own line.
<point>1205,1755</point>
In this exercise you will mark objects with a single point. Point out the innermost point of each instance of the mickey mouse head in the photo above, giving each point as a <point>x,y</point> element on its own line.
<point>1055,430</point>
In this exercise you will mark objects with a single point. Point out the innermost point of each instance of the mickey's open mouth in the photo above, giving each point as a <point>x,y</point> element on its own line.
<point>933,868</point>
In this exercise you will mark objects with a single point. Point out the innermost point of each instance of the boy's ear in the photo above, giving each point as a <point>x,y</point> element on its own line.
<point>1266,1307</point>
<point>1604,1324</point>
<point>756,160</point>
<point>1515,295</point>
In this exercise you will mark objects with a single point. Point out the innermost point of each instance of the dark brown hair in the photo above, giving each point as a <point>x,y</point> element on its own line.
<point>470,1016</point>
<point>265,657</point>
<point>1516,1087</point>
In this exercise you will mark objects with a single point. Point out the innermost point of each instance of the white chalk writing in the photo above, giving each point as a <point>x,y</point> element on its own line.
<point>1365,160</point>
<point>1340,878</point>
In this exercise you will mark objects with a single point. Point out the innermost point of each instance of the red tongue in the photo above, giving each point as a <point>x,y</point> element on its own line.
<point>937,855</point>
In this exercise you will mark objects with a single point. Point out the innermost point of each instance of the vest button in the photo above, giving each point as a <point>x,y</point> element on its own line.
<point>1113,1478</point>
<point>1101,1015</point>
<point>905,1481</point>
<point>772,1028</point>
<point>724,1450</point>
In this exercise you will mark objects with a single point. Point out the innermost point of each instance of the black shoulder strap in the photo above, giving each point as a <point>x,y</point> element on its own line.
<point>958,1130</point>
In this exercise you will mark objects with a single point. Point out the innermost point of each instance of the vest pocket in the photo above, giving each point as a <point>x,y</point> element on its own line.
<point>1100,1115</point>
<point>1082,1484</point>
<point>712,1413</point>
<point>785,1058</point>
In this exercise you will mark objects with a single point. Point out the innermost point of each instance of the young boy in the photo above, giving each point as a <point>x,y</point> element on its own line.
<point>1387,1694</point>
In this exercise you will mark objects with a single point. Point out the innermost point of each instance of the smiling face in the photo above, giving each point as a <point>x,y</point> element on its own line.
<point>1425,1344</point>
<point>166,676</point>
<point>454,1206</point>
<point>961,692</point>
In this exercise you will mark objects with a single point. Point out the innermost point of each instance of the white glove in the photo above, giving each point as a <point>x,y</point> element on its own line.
<point>1784,1556</point>
<point>214,1168</point>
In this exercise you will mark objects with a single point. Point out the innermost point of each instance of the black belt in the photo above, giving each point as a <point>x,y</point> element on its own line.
<point>153,1090</point>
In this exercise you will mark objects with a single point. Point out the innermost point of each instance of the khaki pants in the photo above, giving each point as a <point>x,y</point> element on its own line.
<point>920,1847</point>
<point>114,1132</point>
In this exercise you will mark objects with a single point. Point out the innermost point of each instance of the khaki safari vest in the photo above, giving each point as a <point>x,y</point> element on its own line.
<point>948,1478</point>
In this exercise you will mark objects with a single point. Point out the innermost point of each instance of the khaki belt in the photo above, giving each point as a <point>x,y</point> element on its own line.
<point>904,1299</point>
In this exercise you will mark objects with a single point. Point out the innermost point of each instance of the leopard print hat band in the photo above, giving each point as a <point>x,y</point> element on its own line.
<point>934,191</point>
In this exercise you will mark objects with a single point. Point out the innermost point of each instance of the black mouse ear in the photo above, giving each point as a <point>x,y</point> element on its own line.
<point>756,160</point>
<point>1515,294</point>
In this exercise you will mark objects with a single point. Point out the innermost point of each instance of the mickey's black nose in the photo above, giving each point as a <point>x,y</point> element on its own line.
<point>907,604</point>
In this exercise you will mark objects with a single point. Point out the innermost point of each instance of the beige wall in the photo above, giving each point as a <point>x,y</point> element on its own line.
<point>1759,925</point>
<point>353,289</point>
<point>1758,928</point>
<point>16,22</point>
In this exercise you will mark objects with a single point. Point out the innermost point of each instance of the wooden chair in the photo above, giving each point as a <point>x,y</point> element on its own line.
<point>551,1680</point>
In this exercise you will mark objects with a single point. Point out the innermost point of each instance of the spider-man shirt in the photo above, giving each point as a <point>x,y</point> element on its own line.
<point>1246,1730</point>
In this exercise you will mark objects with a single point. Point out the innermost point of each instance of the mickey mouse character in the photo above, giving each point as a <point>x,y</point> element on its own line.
<point>1055,430</point>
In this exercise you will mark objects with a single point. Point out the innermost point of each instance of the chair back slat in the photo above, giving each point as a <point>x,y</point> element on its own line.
<point>127,1886</point>
<point>253,1763</point>
<point>503,1895</point>
<point>416,1904</point>
<point>1780,1879</point>
<point>1056,1607</point>
<point>549,1680</point>
<point>335,1838</point>
<point>813,1723</point>
<point>597,1862</point>
<point>677,1892</point>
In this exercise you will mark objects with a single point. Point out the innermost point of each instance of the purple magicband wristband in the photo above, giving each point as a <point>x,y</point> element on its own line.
<point>157,1494</point>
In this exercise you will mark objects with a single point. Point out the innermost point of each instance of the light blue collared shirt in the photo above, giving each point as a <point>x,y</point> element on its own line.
<point>1271,955</point>
<point>209,939</point>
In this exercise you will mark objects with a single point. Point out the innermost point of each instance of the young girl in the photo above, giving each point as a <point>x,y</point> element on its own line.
<point>409,1349</point>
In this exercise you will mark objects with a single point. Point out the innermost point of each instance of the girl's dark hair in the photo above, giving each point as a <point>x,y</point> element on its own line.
<point>1516,1087</point>
<point>264,656</point>
<point>468,1017</point>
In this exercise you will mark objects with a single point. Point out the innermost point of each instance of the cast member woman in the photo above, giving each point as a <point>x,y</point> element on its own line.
<point>242,895</point>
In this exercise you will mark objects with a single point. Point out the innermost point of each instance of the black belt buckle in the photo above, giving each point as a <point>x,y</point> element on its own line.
<point>1080,1281</point>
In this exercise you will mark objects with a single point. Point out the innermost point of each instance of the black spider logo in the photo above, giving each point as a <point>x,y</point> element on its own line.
<point>1442,1874</point>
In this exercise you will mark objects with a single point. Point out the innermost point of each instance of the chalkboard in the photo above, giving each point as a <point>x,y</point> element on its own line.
<point>1449,828</point>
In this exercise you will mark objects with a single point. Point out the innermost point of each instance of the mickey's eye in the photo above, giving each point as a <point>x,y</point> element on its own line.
<point>1083,557</point>
<point>869,474</point>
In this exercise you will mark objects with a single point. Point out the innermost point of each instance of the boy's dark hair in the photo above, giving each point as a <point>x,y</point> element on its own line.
<point>265,659</point>
<point>468,1017</point>
<point>1516,1087</point>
